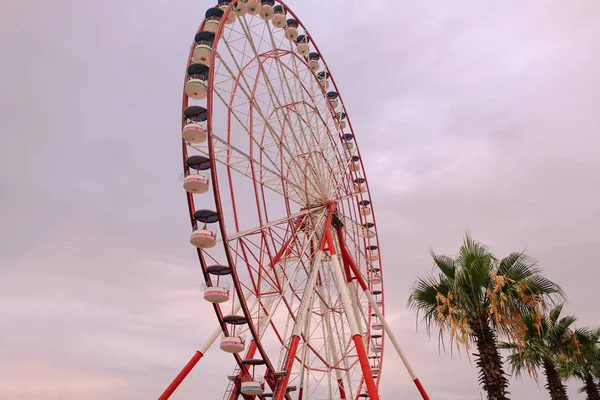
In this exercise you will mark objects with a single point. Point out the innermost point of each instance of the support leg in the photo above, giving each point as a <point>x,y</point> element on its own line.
<point>298,325</point>
<point>199,354</point>
<point>190,365</point>
<point>377,310</point>
<point>356,336</point>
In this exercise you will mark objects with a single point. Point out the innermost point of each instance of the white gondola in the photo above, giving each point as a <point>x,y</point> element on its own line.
<point>240,8</point>
<point>194,132</point>
<point>212,24</point>
<point>202,54</point>
<point>324,83</point>
<point>291,33</point>
<point>252,387</point>
<point>196,183</point>
<point>253,7</point>
<point>334,101</point>
<point>375,371</point>
<point>303,49</point>
<point>376,280</point>
<point>377,326</point>
<point>231,17</point>
<point>377,348</point>
<point>196,88</point>
<point>232,344</point>
<point>365,232</point>
<point>266,12</point>
<point>203,238</point>
<point>314,65</point>
<point>373,257</point>
<point>278,20</point>
<point>364,211</point>
<point>216,294</point>
<point>341,123</point>
<point>379,303</point>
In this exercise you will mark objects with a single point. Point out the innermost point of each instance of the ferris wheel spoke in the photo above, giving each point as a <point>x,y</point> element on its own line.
<point>247,88</point>
<point>255,105</point>
<point>251,101</point>
<point>272,94</point>
<point>242,163</point>
<point>268,283</point>
<point>290,97</point>
<point>278,106</point>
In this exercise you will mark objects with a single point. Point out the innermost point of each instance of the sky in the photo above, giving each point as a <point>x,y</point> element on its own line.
<point>470,116</point>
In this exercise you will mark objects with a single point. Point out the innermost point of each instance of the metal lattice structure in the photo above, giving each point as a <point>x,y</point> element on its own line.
<point>281,212</point>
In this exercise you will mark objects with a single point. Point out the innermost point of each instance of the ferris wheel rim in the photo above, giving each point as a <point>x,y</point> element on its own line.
<point>216,190</point>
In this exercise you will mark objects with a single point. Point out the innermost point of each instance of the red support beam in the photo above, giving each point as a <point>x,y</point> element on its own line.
<point>179,378</point>
<point>341,387</point>
<point>366,368</point>
<point>281,388</point>
<point>249,354</point>
<point>346,255</point>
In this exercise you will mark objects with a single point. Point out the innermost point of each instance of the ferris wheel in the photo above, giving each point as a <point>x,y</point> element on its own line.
<point>281,213</point>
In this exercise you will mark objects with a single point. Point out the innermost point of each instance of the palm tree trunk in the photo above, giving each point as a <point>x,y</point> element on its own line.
<point>489,361</point>
<point>591,389</point>
<point>554,384</point>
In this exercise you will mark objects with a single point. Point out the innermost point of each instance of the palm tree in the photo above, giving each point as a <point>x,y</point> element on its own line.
<point>541,339</point>
<point>474,297</point>
<point>586,365</point>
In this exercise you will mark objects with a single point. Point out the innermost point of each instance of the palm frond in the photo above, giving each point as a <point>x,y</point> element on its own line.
<point>445,264</point>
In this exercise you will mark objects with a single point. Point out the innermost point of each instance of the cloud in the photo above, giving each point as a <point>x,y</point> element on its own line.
<point>469,116</point>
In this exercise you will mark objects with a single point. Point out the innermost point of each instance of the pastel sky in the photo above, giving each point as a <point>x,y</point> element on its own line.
<point>470,115</point>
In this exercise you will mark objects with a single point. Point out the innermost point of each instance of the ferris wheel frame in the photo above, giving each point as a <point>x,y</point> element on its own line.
<point>327,243</point>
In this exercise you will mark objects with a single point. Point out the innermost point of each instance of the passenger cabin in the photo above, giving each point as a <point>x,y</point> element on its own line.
<point>348,140</point>
<point>267,12</point>
<point>223,4</point>
<point>372,253</point>
<point>197,182</point>
<point>341,120</point>
<point>197,86</point>
<point>323,78</point>
<point>291,29</point>
<point>302,45</point>
<point>360,185</point>
<point>364,207</point>
<point>279,19</point>
<point>354,163</point>
<point>216,294</point>
<point>333,99</point>
<point>202,53</point>
<point>194,129</point>
<point>233,344</point>
<point>253,7</point>
<point>251,386</point>
<point>240,8</point>
<point>313,61</point>
<point>213,19</point>
<point>205,237</point>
